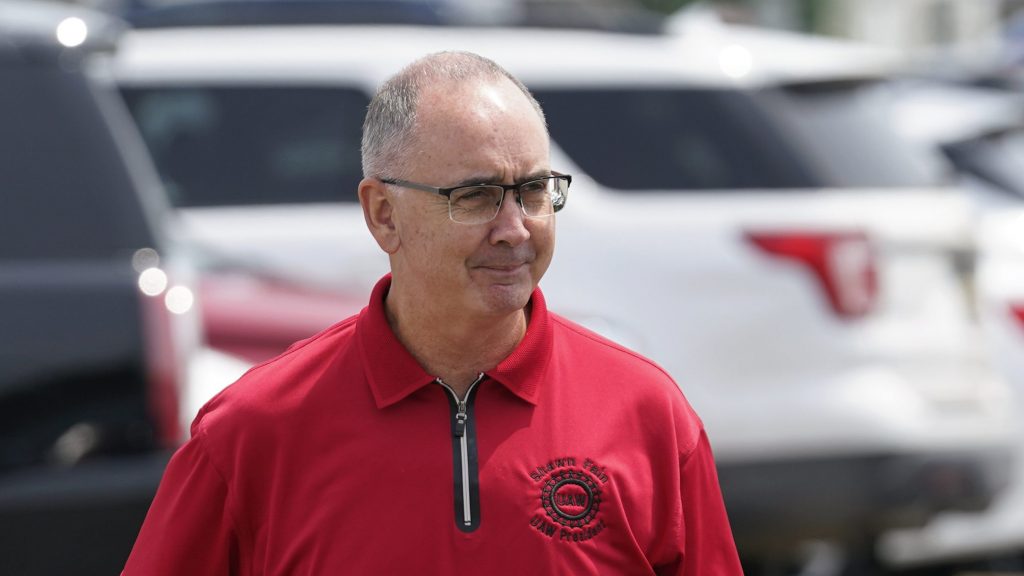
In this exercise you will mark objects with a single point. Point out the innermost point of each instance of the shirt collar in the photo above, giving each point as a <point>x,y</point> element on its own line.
<point>393,373</point>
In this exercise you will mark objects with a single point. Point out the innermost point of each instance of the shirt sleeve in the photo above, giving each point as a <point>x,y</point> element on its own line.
<point>189,528</point>
<point>706,541</point>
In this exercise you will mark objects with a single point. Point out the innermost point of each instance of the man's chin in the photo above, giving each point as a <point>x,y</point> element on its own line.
<point>506,298</point>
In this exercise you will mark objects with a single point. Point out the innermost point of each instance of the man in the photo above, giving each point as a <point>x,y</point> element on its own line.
<point>454,425</point>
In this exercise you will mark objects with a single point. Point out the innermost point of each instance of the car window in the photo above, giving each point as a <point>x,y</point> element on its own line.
<point>224,146</point>
<point>666,138</point>
<point>716,139</point>
<point>64,191</point>
<point>995,158</point>
<point>846,129</point>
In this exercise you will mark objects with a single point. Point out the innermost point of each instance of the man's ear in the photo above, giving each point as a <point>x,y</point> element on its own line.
<point>379,210</point>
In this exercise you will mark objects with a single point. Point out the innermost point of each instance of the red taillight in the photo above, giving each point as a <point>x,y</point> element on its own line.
<point>257,318</point>
<point>843,264</point>
<point>163,369</point>
<point>1018,312</point>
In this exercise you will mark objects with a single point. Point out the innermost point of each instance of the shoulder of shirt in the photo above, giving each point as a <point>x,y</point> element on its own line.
<point>611,349</point>
<point>257,389</point>
<point>650,381</point>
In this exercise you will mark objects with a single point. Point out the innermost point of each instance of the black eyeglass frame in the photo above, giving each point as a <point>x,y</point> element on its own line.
<point>447,192</point>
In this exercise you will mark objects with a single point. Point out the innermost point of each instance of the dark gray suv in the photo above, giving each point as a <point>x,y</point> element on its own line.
<point>93,329</point>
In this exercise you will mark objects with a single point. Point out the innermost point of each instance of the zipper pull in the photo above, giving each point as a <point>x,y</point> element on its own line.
<point>460,420</point>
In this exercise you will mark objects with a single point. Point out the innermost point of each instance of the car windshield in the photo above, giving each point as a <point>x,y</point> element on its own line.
<point>65,191</point>
<point>719,139</point>
<point>224,146</point>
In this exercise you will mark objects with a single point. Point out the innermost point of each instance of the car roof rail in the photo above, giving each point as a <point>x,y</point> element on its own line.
<point>607,15</point>
<point>169,14</point>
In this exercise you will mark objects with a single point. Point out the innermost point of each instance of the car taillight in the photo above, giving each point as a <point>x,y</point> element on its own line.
<point>1017,310</point>
<point>843,264</point>
<point>164,355</point>
<point>255,317</point>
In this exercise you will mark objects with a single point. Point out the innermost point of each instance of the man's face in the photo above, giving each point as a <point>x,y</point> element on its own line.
<point>479,132</point>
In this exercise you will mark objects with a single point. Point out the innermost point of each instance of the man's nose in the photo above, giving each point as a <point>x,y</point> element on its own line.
<point>510,223</point>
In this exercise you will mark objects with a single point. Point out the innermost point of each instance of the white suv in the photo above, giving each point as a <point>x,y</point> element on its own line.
<point>981,130</point>
<point>738,213</point>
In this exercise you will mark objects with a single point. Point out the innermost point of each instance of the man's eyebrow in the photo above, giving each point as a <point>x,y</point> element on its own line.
<point>493,179</point>
<point>537,175</point>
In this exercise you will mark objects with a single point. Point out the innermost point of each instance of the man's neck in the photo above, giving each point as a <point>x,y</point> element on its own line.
<point>455,349</point>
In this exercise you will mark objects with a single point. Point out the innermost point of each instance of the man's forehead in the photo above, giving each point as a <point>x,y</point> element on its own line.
<point>477,131</point>
<point>458,98</point>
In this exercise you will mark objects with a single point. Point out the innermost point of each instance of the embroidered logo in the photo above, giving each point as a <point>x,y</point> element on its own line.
<point>571,496</point>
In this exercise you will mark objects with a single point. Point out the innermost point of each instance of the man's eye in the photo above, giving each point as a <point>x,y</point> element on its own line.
<point>479,194</point>
<point>534,186</point>
<point>470,194</point>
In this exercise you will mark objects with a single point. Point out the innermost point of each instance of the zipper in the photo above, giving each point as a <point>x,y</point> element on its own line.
<point>467,492</point>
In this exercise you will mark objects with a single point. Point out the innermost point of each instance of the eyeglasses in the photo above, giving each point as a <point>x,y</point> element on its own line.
<point>480,203</point>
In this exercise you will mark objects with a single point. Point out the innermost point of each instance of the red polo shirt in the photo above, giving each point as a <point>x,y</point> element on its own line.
<point>342,456</point>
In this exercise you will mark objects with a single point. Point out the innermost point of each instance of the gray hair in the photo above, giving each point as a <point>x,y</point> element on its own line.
<point>391,117</point>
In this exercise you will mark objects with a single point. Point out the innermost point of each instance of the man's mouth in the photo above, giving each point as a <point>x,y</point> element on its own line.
<point>504,267</point>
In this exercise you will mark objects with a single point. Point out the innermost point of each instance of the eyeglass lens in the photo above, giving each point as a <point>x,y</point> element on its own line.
<point>482,203</point>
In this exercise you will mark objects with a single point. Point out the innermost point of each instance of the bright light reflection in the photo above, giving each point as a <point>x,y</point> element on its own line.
<point>145,258</point>
<point>179,300</point>
<point>72,32</point>
<point>735,61</point>
<point>152,281</point>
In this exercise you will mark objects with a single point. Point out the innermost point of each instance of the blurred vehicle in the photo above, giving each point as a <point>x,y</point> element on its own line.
<point>97,323</point>
<point>981,132</point>
<point>254,317</point>
<point>740,212</point>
